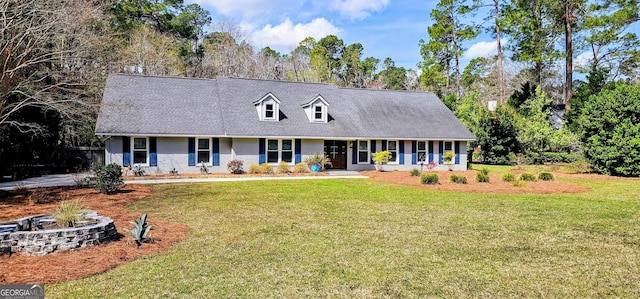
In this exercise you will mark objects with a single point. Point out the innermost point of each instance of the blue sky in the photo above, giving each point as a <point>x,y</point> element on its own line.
<point>385,28</point>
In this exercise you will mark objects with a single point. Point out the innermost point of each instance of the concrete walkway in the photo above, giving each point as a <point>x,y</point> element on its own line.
<point>56,180</point>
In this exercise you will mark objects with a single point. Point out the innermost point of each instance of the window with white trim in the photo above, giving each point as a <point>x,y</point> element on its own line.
<point>279,150</point>
<point>269,111</point>
<point>392,147</point>
<point>422,151</point>
<point>448,146</point>
<point>363,151</point>
<point>318,115</point>
<point>140,150</point>
<point>204,150</point>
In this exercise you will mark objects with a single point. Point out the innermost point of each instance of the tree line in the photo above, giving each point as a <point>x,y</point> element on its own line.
<point>55,57</point>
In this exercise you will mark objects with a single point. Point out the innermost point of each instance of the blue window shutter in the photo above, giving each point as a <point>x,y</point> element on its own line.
<point>216,151</point>
<point>153,151</point>
<point>384,145</point>
<point>373,149</point>
<point>126,151</point>
<point>354,152</point>
<point>401,150</point>
<point>414,152</point>
<point>457,148</point>
<point>192,151</point>
<point>440,150</point>
<point>261,149</point>
<point>430,151</point>
<point>298,145</point>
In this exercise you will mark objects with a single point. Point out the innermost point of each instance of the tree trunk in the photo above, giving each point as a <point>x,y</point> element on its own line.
<point>568,85</point>
<point>500,76</point>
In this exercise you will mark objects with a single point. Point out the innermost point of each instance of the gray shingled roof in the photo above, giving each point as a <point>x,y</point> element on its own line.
<point>143,105</point>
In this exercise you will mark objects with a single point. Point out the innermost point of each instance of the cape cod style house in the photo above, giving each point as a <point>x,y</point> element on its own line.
<point>165,123</point>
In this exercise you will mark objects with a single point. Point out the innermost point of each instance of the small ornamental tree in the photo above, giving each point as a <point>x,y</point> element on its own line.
<point>381,158</point>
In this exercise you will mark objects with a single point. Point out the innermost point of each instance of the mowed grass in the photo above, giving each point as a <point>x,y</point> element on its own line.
<point>361,238</point>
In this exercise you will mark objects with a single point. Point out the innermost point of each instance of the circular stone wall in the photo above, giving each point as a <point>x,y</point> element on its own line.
<point>42,242</point>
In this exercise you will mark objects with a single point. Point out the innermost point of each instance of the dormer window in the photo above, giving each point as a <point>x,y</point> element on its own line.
<point>318,113</point>
<point>268,111</point>
<point>316,110</point>
<point>268,107</point>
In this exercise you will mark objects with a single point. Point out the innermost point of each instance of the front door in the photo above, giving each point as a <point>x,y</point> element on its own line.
<point>337,152</point>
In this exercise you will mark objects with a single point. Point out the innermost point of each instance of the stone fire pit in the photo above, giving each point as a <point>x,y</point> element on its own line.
<point>38,235</point>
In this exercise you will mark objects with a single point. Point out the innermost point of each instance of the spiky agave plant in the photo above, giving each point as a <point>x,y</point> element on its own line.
<point>140,229</point>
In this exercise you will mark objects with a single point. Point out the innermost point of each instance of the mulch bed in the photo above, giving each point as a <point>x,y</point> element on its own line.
<point>495,185</point>
<point>76,264</point>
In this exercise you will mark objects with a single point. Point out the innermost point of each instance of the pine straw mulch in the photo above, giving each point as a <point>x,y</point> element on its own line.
<point>76,264</point>
<point>495,185</point>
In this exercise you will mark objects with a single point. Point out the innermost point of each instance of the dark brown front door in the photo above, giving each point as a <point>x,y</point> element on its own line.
<point>337,152</point>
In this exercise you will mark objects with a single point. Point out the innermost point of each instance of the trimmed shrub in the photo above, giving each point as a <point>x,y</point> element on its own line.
<point>266,168</point>
<point>429,178</point>
<point>415,172</point>
<point>553,157</point>
<point>519,183</point>
<point>301,168</point>
<point>482,177</point>
<point>283,167</point>
<point>458,179</point>
<point>545,176</point>
<point>235,166</point>
<point>579,166</point>
<point>529,177</point>
<point>255,168</point>
<point>108,178</point>
<point>509,177</point>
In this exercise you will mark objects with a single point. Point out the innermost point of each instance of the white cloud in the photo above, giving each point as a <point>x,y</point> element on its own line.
<point>285,36</point>
<point>583,60</point>
<point>358,9</point>
<point>481,49</point>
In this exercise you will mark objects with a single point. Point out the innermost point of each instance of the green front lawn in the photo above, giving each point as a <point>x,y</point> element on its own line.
<point>362,238</point>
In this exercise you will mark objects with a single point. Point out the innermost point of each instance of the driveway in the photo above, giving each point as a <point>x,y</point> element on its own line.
<point>56,180</point>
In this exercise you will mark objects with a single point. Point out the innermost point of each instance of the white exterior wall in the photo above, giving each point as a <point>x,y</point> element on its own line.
<point>113,151</point>
<point>311,146</point>
<point>173,152</point>
<point>245,150</point>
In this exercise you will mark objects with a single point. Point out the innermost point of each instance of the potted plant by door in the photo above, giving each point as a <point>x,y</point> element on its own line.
<point>317,161</point>
<point>381,158</point>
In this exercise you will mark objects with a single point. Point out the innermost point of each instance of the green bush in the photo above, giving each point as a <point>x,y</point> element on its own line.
<point>546,176</point>
<point>283,167</point>
<point>301,168</point>
<point>108,178</point>
<point>458,179</point>
<point>508,177</point>
<point>266,168</point>
<point>529,177</point>
<point>254,169</point>
<point>552,157</point>
<point>608,122</point>
<point>482,177</point>
<point>429,178</point>
<point>415,172</point>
